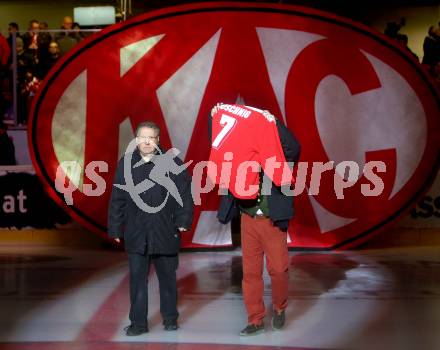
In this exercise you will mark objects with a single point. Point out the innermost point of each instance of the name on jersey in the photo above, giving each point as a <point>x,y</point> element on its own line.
<point>241,112</point>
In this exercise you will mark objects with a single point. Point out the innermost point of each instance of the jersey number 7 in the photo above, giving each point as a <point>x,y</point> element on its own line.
<point>228,123</point>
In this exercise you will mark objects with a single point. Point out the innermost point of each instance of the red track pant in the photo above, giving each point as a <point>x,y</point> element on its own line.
<point>259,238</point>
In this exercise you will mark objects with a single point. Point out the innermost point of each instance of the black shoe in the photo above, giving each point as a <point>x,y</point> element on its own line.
<point>278,319</point>
<point>252,329</point>
<point>170,325</point>
<point>133,330</point>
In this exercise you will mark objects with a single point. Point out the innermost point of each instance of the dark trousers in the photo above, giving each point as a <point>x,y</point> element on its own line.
<point>166,266</point>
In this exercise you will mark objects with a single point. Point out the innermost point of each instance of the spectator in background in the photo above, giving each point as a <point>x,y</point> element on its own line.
<point>5,52</point>
<point>392,31</point>
<point>25,62</point>
<point>30,88</point>
<point>77,30</point>
<point>35,41</point>
<point>30,38</point>
<point>402,39</point>
<point>53,56</point>
<point>7,149</point>
<point>32,84</point>
<point>431,47</point>
<point>436,73</point>
<point>43,26</point>
<point>12,29</point>
<point>67,23</point>
<point>69,37</point>
<point>45,40</point>
<point>6,98</point>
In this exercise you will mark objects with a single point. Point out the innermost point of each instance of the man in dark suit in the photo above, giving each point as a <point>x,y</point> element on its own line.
<point>150,218</point>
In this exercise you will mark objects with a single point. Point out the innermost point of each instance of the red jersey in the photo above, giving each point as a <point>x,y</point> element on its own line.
<point>5,51</point>
<point>243,140</point>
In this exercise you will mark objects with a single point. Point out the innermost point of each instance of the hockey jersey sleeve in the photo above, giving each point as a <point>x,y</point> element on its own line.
<point>270,150</point>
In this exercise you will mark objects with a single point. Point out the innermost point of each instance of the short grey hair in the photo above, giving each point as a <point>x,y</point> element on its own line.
<point>148,124</point>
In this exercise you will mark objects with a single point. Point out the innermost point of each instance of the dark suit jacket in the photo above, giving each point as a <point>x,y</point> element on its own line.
<point>156,233</point>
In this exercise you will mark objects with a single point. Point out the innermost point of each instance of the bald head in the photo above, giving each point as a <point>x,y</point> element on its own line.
<point>68,22</point>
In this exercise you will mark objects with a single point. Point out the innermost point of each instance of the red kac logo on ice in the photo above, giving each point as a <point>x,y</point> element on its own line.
<point>346,92</point>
